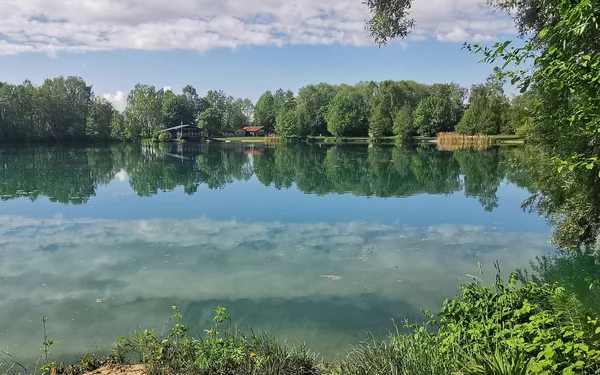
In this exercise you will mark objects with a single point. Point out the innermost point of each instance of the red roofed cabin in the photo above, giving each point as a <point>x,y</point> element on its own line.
<point>255,131</point>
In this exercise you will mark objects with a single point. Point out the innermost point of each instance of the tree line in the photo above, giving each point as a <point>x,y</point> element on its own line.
<point>66,108</point>
<point>389,108</point>
<point>557,69</point>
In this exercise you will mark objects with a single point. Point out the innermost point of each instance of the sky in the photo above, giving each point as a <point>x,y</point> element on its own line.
<point>243,47</point>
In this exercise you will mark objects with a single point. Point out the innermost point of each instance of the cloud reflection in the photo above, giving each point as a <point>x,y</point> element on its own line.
<point>98,279</point>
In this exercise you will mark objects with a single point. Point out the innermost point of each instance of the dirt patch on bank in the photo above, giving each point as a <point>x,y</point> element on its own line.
<point>119,370</point>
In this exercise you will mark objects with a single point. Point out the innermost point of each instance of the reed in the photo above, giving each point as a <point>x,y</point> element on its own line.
<point>451,141</point>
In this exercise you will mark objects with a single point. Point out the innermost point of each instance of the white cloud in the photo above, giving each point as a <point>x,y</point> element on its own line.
<point>118,100</point>
<point>264,272</point>
<point>52,26</point>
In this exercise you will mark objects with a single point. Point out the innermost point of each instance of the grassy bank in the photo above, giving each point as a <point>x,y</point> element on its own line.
<point>497,329</point>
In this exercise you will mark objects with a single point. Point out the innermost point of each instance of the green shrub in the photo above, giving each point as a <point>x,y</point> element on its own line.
<point>223,350</point>
<point>545,322</point>
<point>164,137</point>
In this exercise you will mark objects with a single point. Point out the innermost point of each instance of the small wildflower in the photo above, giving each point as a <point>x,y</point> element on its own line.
<point>252,354</point>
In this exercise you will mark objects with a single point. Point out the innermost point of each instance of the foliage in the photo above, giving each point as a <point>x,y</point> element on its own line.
<point>520,116</point>
<point>545,322</point>
<point>578,271</point>
<point>99,119</point>
<point>404,122</point>
<point>564,55</point>
<point>164,137</point>
<point>488,110</point>
<point>313,101</point>
<point>347,113</point>
<point>222,350</point>
<point>210,120</point>
<point>456,96</point>
<point>389,98</point>
<point>389,19</point>
<point>264,111</point>
<point>499,363</point>
<point>380,122</point>
<point>569,201</point>
<point>290,123</point>
<point>432,116</point>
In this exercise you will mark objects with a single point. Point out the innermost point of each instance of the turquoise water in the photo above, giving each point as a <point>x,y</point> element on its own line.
<point>105,239</point>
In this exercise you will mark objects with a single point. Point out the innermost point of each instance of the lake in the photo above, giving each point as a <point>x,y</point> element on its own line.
<point>313,242</point>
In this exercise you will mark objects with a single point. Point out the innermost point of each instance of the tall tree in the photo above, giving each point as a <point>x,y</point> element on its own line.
<point>99,119</point>
<point>175,110</point>
<point>194,103</point>
<point>221,104</point>
<point>143,114</point>
<point>404,122</point>
<point>347,113</point>
<point>432,116</point>
<point>63,104</point>
<point>264,111</point>
<point>488,109</point>
<point>210,120</point>
<point>313,101</point>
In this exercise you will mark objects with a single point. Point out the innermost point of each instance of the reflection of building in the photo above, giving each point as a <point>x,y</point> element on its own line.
<point>255,130</point>
<point>187,132</point>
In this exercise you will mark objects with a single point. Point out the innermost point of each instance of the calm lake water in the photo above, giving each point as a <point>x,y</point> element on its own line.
<point>105,239</point>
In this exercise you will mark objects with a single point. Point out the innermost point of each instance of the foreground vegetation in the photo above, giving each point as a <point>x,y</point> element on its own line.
<point>505,328</point>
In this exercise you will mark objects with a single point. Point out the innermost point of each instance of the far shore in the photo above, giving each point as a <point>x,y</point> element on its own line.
<point>497,139</point>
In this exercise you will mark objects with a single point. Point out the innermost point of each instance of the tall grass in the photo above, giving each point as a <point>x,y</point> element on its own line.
<point>450,141</point>
<point>415,353</point>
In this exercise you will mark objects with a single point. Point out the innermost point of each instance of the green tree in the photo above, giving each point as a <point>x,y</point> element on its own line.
<point>210,120</point>
<point>283,100</point>
<point>117,126</point>
<point>521,115</point>
<point>488,109</point>
<point>289,123</point>
<point>313,101</point>
<point>194,105</point>
<point>564,50</point>
<point>264,111</point>
<point>432,116</point>
<point>388,99</point>
<point>456,96</point>
<point>404,122</point>
<point>63,105</point>
<point>347,113</point>
<point>99,119</point>
<point>175,110</point>
<point>221,104</point>
<point>143,115</point>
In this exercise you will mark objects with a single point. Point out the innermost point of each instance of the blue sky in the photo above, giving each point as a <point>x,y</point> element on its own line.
<point>243,47</point>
